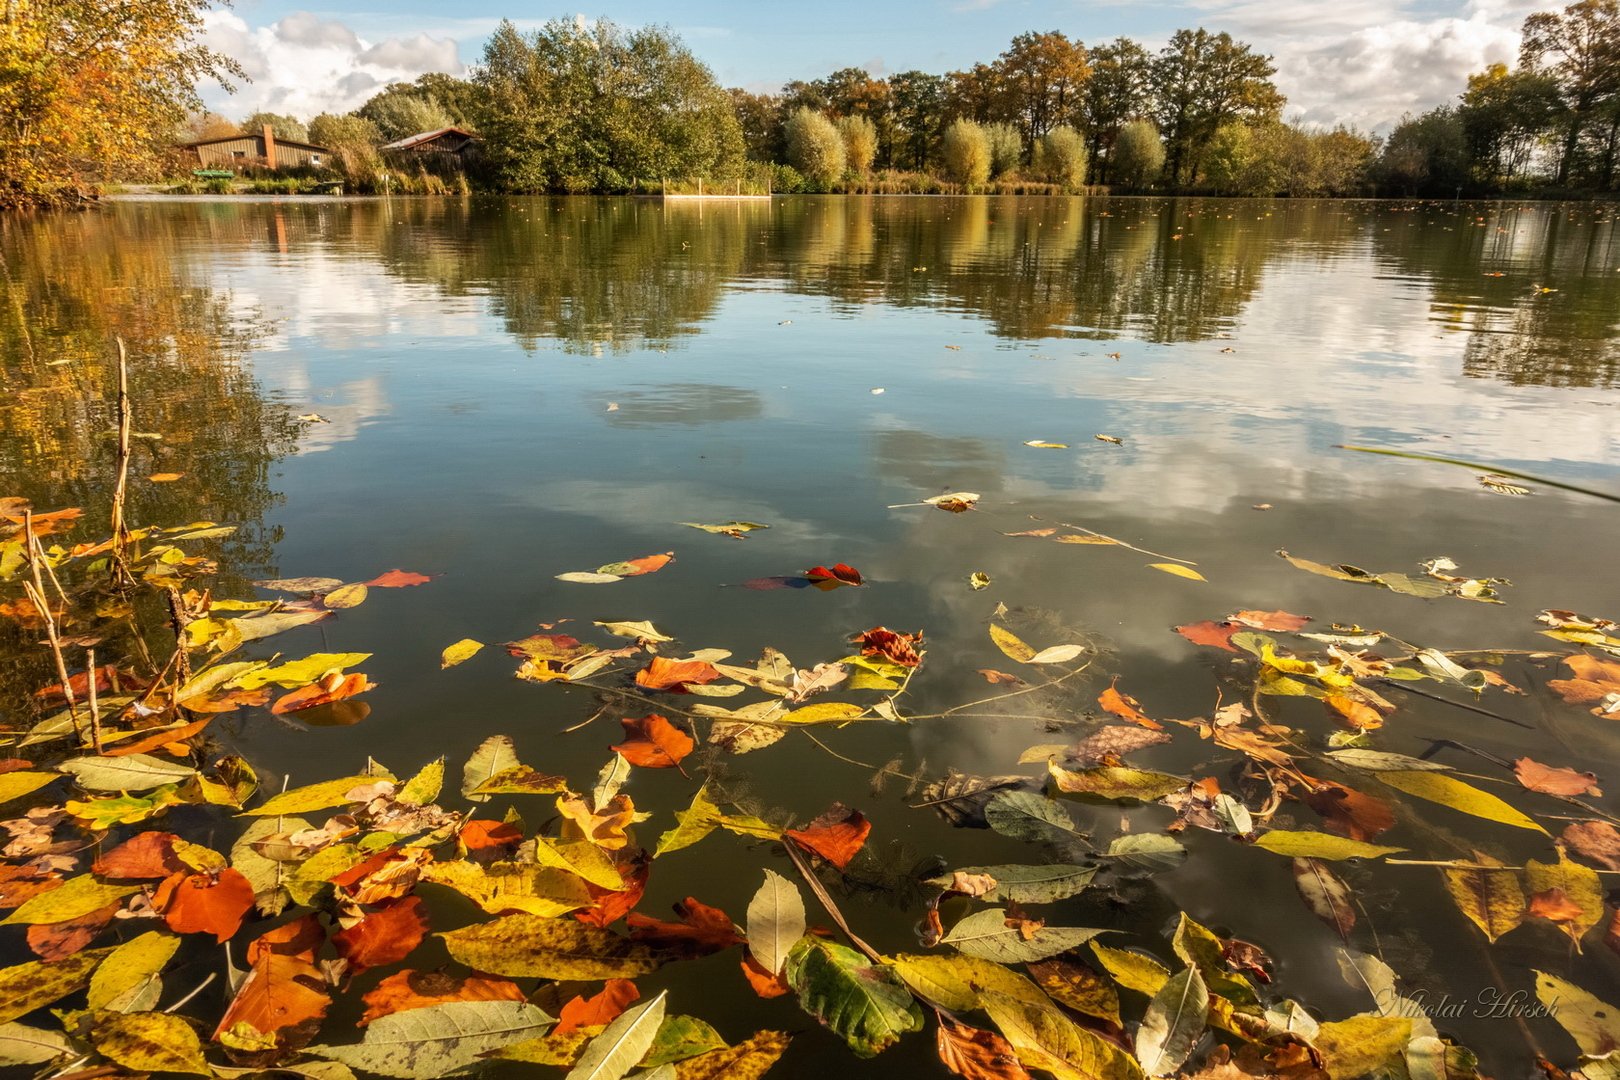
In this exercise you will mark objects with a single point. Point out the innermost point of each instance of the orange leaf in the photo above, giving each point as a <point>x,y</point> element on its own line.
<point>397,579</point>
<point>283,996</point>
<point>653,742</point>
<point>487,840</point>
<point>608,906</point>
<point>303,938</point>
<point>205,903</point>
<point>20,884</point>
<point>147,856</point>
<point>387,875</point>
<point>107,677</point>
<point>765,983</point>
<point>1595,841</point>
<point>1218,634</point>
<point>602,1009</point>
<point>1595,680</point>
<point>605,827</point>
<point>418,989</point>
<point>996,678</point>
<point>1349,812</point>
<point>1355,714</point>
<point>1555,781</point>
<point>334,687</point>
<point>1269,620</point>
<point>162,738</point>
<point>386,936</point>
<point>673,675</point>
<point>837,836</point>
<point>50,524</point>
<point>53,941</point>
<point>977,1054</point>
<point>898,647</point>
<point>825,579</point>
<point>1554,905</point>
<point>701,931</point>
<point>1126,708</point>
<point>647,564</point>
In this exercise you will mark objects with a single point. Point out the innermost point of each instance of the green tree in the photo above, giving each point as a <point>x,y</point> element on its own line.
<point>1579,48</point>
<point>1504,113</point>
<point>400,111</point>
<point>1062,157</point>
<point>285,127</point>
<point>1006,148</point>
<point>1201,81</point>
<point>1343,158</point>
<point>760,117</point>
<point>966,152</point>
<point>349,130</point>
<point>1426,154</point>
<point>1138,155</point>
<point>94,91</point>
<point>460,98</point>
<point>917,107</point>
<point>860,142</point>
<point>1042,77</point>
<point>815,148</point>
<point>1119,90</point>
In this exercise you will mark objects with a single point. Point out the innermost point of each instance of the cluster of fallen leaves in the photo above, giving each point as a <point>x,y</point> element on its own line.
<point>544,923</point>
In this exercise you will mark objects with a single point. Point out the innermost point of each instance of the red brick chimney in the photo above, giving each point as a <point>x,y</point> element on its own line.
<point>269,147</point>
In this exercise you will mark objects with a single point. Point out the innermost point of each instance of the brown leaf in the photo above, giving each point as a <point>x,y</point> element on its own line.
<point>385,936</point>
<point>53,941</point>
<point>1349,812</point>
<point>418,989</point>
<point>205,903</point>
<point>397,579</point>
<point>616,996</point>
<point>1597,842</point>
<point>652,742</point>
<point>892,645</point>
<point>977,1054</point>
<point>1595,680</point>
<point>1278,621</point>
<point>283,996</point>
<point>1107,744</point>
<point>1208,632</point>
<point>1554,781</point>
<point>1000,678</point>
<point>701,931</point>
<point>837,836</point>
<point>674,675</point>
<point>170,736</point>
<point>603,827</point>
<point>147,856</point>
<point>1126,708</point>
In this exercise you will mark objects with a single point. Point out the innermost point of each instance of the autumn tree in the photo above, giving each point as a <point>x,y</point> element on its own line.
<point>966,152</point>
<point>348,130</point>
<point>400,111</point>
<point>284,127</point>
<point>1041,77</point>
<point>91,91</point>
<point>975,94</point>
<point>1504,114</point>
<point>917,111</point>
<point>1119,90</point>
<point>1138,155</point>
<point>815,148</point>
<point>1201,81</point>
<point>1060,156</point>
<point>760,117</point>
<point>1426,154</point>
<point>1579,48</point>
<point>860,141</point>
<point>1006,148</point>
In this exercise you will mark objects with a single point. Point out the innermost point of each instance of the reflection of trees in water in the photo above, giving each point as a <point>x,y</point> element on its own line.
<point>1516,333</point>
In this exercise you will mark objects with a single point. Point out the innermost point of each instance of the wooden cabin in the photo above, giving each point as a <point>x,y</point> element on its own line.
<point>445,143</point>
<point>262,150</point>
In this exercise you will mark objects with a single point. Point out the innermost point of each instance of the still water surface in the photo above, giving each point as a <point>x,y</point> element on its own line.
<point>514,389</point>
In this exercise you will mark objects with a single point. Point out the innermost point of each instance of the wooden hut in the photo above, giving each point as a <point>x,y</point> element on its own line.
<point>262,150</point>
<point>450,143</point>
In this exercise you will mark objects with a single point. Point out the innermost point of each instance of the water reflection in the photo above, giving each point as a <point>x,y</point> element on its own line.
<point>685,404</point>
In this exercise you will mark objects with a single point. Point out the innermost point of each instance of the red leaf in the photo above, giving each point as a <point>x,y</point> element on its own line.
<point>1218,634</point>
<point>398,579</point>
<point>386,936</point>
<point>53,941</point>
<point>653,742</point>
<point>1349,812</point>
<point>487,840</point>
<point>1555,781</point>
<point>147,856</point>
<point>977,1054</point>
<point>1279,621</point>
<point>840,574</point>
<point>615,997</point>
<point>898,647</point>
<point>418,989</point>
<point>837,836</point>
<point>1126,708</point>
<point>335,687</point>
<point>765,984</point>
<point>701,931</point>
<point>608,906</point>
<point>673,675</point>
<point>205,903</point>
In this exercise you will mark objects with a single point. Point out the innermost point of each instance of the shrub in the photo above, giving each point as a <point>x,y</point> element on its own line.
<point>815,148</point>
<point>966,150</point>
<point>1138,155</point>
<point>1006,148</point>
<point>786,180</point>
<point>219,186</point>
<point>1062,157</point>
<point>860,142</point>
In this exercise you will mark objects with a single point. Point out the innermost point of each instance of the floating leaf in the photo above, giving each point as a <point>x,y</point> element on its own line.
<point>73,899</point>
<point>398,579</point>
<point>405,990</point>
<point>1041,445</point>
<point>149,1042</point>
<point>1325,895</point>
<point>459,653</point>
<point>956,981</point>
<point>1465,798</point>
<point>1047,1040</point>
<point>14,785</point>
<point>639,631</point>
<point>1174,1023</point>
<point>837,835</point>
<point>589,577</point>
<point>135,772</point>
<point>731,528</point>
<point>978,580</point>
<point>320,796</point>
<point>128,980</point>
<point>825,578</point>
<point>37,983</point>
<point>530,946</point>
<point>776,922</point>
<point>1011,644</point>
<point>1178,570</point>
<point>205,903</point>
<point>652,742</point>
<point>863,1004</point>
<point>598,1010</point>
<point>954,502</point>
<point>296,673</point>
<point>626,1040</point>
<point>675,675</point>
<point>1023,884</point>
<point>748,1060</point>
<point>1306,844</point>
<point>1132,970</point>
<point>1115,782</point>
<point>494,755</point>
<point>1024,815</point>
<point>977,1054</point>
<point>439,1040</point>
<point>301,585</point>
<point>986,935</point>
<point>348,596</point>
<point>23,1045</point>
<point>1593,1024</point>
<point>1554,781</point>
<point>1150,852</point>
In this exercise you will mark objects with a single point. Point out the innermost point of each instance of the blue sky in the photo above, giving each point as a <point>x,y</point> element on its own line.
<point>1355,61</point>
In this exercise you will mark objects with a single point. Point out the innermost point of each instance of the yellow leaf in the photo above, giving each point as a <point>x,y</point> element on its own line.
<point>957,981</point>
<point>1465,798</point>
<point>1178,570</point>
<point>128,978</point>
<point>1306,844</point>
<point>1580,886</point>
<point>823,712</point>
<point>1491,899</point>
<point>1010,643</point>
<point>74,897</point>
<point>14,785</point>
<point>320,796</point>
<point>525,946</point>
<point>26,987</point>
<point>149,1042</point>
<point>346,597</point>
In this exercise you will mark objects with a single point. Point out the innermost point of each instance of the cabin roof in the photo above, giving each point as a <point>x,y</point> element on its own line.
<point>421,137</point>
<point>255,135</point>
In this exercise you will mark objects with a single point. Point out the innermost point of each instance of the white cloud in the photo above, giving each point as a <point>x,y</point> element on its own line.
<point>306,64</point>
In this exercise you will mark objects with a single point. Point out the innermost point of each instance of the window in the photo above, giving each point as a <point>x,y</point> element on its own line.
<point>238,153</point>
<point>314,159</point>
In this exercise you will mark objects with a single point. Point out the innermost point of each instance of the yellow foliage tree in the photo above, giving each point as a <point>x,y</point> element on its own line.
<point>90,90</point>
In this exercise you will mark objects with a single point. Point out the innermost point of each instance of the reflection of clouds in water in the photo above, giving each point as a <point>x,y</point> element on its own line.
<point>347,407</point>
<point>655,506</point>
<point>929,462</point>
<point>684,404</point>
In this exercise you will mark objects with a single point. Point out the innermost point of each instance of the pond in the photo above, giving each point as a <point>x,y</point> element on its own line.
<point>496,392</point>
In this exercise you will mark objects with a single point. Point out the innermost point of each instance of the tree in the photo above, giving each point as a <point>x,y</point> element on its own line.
<point>1202,80</point>
<point>1062,157</point>
<point>966,150</point>
<point>1138,155</point>
<point>1503,114</point>
<point>460,98</point>
<point>1118,91</point>
<point>1041,76</point>
<point>284,127</point>
<point>815,148</point>
<point>860,142</point>
<point>1580,49</point>
<point>400,111</point>
<point>976,94</point>
<point>91,91</point>
<point>760,117</point>
<point>1343,158</point>
<point>1006,148</point>
<point>1426,154</point>
<point>207,125</point>
<point>347,131</point>
<point>917,109</point>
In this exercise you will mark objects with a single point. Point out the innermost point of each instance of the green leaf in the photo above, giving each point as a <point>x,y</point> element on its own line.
<point>1465,798</point>
<point>439,1040</point>
<point>1114,782</point>
<point>494,755</point>
<point>26,987</point>
<point>1363,1045</point>
<point>24,1045</point>
<point>459,653</point>
<point>532,946</point>
<point>424,787</point>
<point>679,1038</point>
<point>623,1043</point>
<point>957,982</point>
<point>296,673</point>
<point>863,1004</point>
<point>133,772</point>
<point>1174,1023</point>
<point>74,897</point>
<point>1024,815</point>
<point>129,979</point>
<point>986,935</point>
<point>1026,884</point>
<point>776,922</point>
<point>313,797</point>
<point>1149,852</point>
<point>694,823</point>
<point>1307,844</point>
<point>149,1042</point>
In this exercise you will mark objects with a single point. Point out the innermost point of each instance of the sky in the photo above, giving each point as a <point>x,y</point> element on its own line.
<point>1359,62</point>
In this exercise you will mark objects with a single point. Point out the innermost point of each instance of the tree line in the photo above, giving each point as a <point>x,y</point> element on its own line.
<point>579,106</point>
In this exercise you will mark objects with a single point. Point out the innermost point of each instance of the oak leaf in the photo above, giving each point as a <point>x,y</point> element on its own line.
<point>837,835</point>
<point>893,645</point>
<point>652,742</point>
